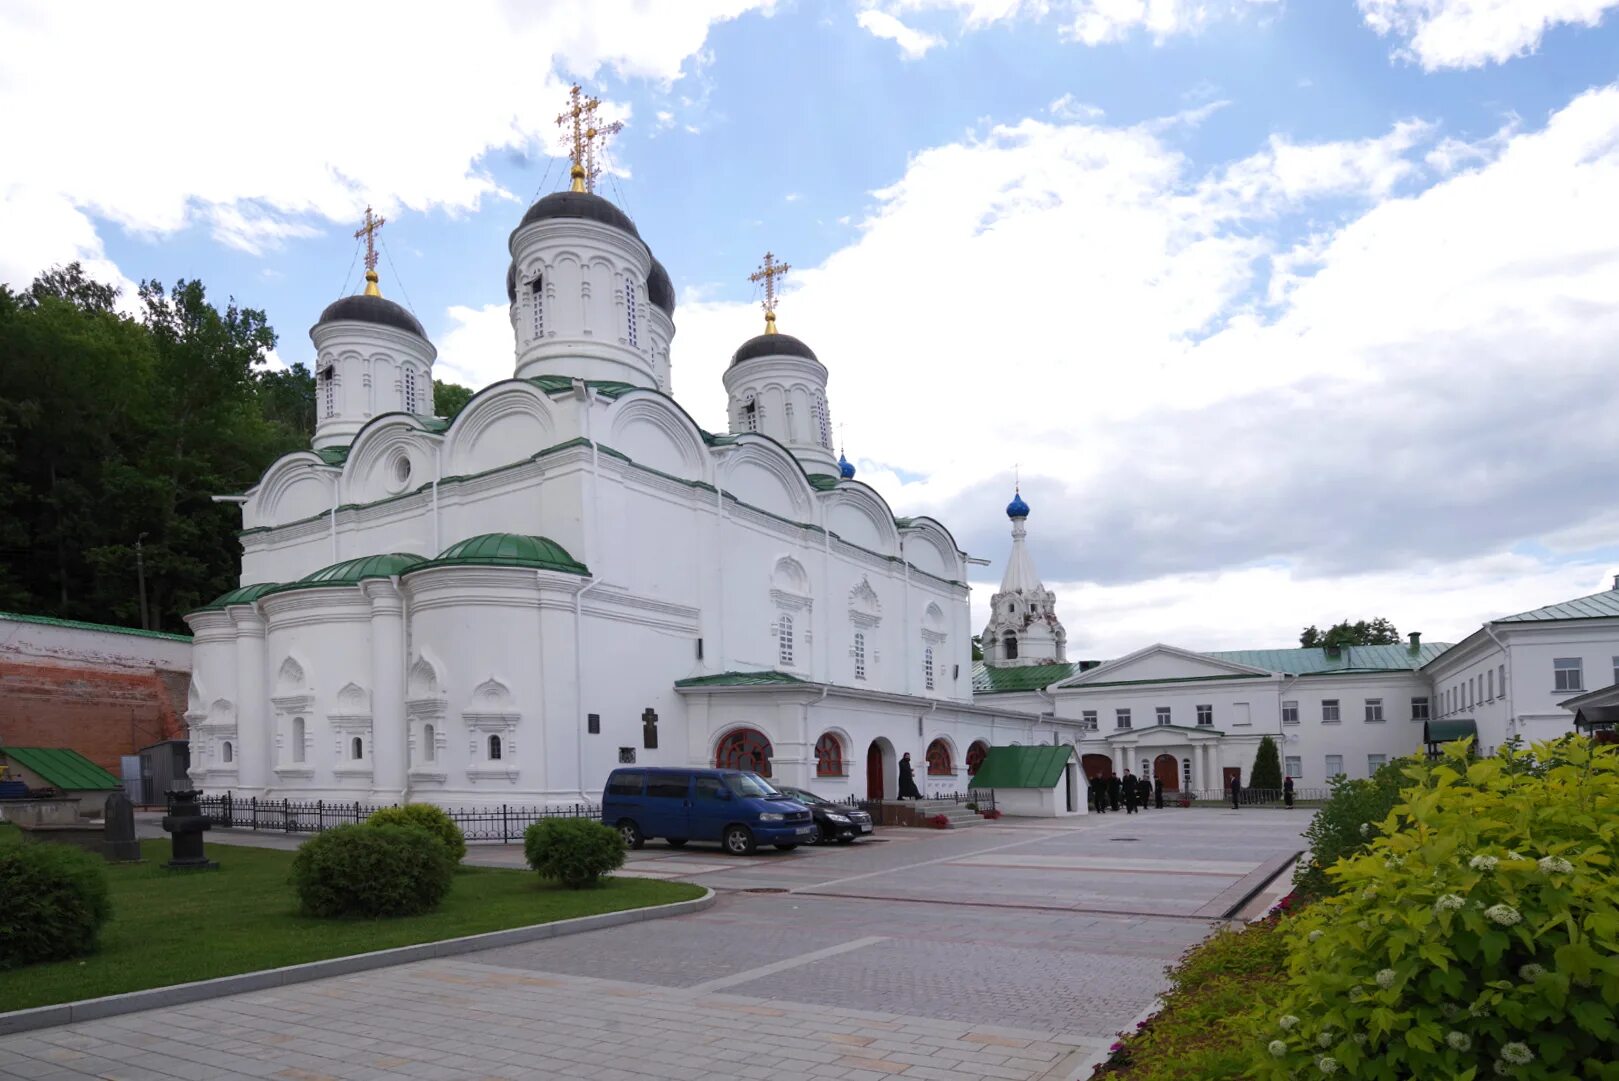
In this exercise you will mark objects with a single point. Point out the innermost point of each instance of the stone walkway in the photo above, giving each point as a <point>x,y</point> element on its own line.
<point>1014,950</point>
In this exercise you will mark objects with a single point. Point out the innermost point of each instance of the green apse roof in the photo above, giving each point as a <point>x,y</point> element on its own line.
<point>1022,767</point>
<point>1603,605</point>
<point>738,679</point>
<point>240,595</point>
<point>508,550</point>
<point>61,768</point>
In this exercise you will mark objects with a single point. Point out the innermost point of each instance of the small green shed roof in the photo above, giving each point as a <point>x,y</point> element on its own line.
<point>1445,731</point>
<point>1022,767</point>
<point>507,550</point>
<point>61,768</point>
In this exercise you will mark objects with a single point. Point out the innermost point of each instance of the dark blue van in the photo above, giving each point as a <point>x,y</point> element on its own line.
<point>740,810</point>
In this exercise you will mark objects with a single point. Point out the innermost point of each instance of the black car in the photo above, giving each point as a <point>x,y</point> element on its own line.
<point>833,821</point>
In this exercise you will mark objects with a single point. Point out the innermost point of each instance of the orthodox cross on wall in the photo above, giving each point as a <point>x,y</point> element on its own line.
<point>767,275</point>
<point>586,138</point>
<point>649,729</point>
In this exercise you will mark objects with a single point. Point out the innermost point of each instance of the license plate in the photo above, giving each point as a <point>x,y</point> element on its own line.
<point>806,829</point>
<point>865,827</point>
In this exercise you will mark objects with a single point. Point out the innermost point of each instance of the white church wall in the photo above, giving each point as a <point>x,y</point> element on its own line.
<point>503,424</point>
<point>388,459</point>
<point>318,643</point>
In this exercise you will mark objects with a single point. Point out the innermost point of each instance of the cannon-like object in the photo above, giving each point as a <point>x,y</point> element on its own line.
<point>185,824</point>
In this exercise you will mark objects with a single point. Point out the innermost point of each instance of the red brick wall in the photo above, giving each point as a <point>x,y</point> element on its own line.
<point>101,713</point>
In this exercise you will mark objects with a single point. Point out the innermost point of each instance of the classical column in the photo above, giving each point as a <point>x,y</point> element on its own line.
<point>390,732</point>
<point>255,743</point>
<point>1119,760</point>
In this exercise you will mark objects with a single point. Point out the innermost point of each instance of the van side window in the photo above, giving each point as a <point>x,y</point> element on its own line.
<point>709,787</point>
<point>625,784</point>
<point>668,785</point>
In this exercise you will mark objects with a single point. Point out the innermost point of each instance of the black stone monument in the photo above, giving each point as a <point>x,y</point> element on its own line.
<point>118,843</point>
<point>186,824</point>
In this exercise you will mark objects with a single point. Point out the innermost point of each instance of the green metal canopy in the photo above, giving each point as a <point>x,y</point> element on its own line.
<point>1446,731</point>
<point>61,768</point>
<point>508,550</point>
<point>1022,767</point>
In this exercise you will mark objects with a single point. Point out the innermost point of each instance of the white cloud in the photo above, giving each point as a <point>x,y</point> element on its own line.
<point>394,112</point>
<point>478,349</point>
<point>1093,22</point>
<point>1067,108</point>
<point>913,44</point>
<point>1471,33</point>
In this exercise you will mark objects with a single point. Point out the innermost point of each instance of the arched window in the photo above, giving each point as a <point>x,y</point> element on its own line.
<point>744,748</point>
<point>429,747</point>
<point>975,756</point>
<point>226,751</point>
<point>939,759</point>
<point>410,389</point>
<point>829,756</point>
<point>1009,647</point>
<point>1186,773</point>
<point>297,739</point>
<point>927,667</point>
<point>329,384</point>
<point>859,656</point>
<point>536,303</point>
<point>784,639</point>
<point>751,413</point>
<point>629,314</point>
<point>494,748</point>
<point>356,748</point>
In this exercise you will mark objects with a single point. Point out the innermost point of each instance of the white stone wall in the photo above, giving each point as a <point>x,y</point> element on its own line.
<point>99,647</point>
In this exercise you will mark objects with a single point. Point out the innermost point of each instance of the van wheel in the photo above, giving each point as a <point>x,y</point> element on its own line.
<point>631,834</point>
<point>739,841</point>
<point>675,842</point>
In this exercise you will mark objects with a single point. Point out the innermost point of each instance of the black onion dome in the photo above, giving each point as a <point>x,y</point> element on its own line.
<point>660,290</point>
<point>511,283</point>
<point>361,308</point>
<point>773,345</point>
<point>579,204</point>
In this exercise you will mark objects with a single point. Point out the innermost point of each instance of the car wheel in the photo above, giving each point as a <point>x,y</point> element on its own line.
<point>786,846</point>
<point>675,842</point>
<point>739,841</point>
<point>631,834</point>
<point>821,836</point>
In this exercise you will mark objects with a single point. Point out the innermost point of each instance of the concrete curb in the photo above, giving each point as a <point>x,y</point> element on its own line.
<point>91,1009</point>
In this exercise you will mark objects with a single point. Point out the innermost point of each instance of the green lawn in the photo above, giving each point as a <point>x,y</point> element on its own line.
<point>172,927</point>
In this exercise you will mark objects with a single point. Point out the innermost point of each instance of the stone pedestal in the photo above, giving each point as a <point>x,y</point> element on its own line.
<point>118,831</point>
<point>186,824</point>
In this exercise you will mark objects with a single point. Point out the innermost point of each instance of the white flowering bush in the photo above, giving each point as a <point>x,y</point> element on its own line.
<point>1476,936</point>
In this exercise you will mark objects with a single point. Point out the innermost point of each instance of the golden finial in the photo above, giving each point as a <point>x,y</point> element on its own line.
<point>369,231</point>
<point>585,138</point>
<point>768,273</point>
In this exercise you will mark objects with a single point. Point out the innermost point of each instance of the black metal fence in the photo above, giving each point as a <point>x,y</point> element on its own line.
<point>503,823</point>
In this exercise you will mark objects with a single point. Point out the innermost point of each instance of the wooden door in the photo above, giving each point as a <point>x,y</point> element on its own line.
<point>874,772</point>
<point>1166,770</point>
<point>1232,773</point>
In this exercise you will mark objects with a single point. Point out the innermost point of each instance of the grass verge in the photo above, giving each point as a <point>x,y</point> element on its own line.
<point>171,927</point>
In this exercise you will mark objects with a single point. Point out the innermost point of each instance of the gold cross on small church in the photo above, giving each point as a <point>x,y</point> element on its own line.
<point>369,231</point>
<point>768,273</point>
<point>586,138</point>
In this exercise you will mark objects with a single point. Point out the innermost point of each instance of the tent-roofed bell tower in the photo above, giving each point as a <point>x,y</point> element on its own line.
<point>1023,628</point>
<point>371,357</point>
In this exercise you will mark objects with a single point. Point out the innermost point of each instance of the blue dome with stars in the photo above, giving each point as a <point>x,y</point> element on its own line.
<point>845,467</point>
<point>1017,508</point>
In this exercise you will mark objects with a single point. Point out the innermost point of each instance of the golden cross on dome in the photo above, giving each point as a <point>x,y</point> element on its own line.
<point>369,231</point>
<point>595,142</point>
<point>768,273</point>
<point>580,120</point>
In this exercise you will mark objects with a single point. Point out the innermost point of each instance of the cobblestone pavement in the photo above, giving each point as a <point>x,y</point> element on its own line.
<point>1011,950</point>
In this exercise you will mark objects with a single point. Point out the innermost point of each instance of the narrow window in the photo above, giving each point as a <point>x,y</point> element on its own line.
<point>1329,712</point>
<point>927,667</point>
<point>1335,765</point>
<point>1566,672</point>
<point>494,748</point>
<point>1186,774</point>
<point>1121,718</point>
<point>1419,709</point>
<point>410,390</point>
<point>356,748</point>
<point>227,752</point>
<point>1374,709</point>
<point>1290,713</point>
<point>784,639</point>
<point>429,747</point>
<point>1295,766</point>
<point>328,379</point>
<point>1163,715</point>
<point>630,314</point>
<point>859,656</point>
<point>536,304</point>
<point>787,418</point>
<point>828,756</point>
<point>1502,681</point>
<point>1009,647</point>
<point>750,414</point>
<point>1205,714</point>
<point>297,739</point>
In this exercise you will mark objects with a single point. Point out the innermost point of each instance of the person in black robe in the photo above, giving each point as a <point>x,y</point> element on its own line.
<point>1114,791</point>
<point>1158,793</point>
<point>1144,787</point>
<point>1099,793</point>
<point>1130,793</point>
<point>1287,791</point>
<point>907,780</point>
<point>1236,792</point>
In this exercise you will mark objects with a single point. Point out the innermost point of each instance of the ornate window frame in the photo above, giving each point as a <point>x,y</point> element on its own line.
<point>483,723</point>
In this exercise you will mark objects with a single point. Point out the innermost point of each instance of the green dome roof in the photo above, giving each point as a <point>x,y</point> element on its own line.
<point>240,595</point>
<point>508,550</point>
<point>353,571</point>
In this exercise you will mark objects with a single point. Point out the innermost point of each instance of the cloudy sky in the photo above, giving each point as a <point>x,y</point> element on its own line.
<point>1286,310</point>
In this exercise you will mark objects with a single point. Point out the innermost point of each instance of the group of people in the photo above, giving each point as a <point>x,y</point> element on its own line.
<point>1137,793</point>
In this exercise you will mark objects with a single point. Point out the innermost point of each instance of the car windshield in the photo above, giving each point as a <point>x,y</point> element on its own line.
<point>803,796</point>
<point>751,784</point>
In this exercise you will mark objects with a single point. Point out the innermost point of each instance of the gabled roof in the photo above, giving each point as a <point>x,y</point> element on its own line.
<point>1031,677</point>
<point>1604,605</point>
<point>1314,662</point>
<point>61,768</point>
<point>1022,767</point>
<point>739,679</point>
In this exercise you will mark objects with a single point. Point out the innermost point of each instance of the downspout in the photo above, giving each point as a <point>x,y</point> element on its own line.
<point>906,564</point>
<point>583,393</point>
<point>1512,688</point>
<point>404,674</point>
<point>337,490</point>
<point>826,689</point>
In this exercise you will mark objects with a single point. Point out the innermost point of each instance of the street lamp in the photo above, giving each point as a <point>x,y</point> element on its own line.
<point>140,574</point>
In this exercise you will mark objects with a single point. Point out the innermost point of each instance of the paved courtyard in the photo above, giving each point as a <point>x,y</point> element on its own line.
<point>1010,950</point>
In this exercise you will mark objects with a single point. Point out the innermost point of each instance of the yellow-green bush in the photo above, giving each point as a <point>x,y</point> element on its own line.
<point>1477,937</point>
<point>424,816</point>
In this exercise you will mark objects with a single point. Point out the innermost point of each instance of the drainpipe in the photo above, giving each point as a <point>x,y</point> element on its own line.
<point>583,393</point>
<point>404,674</point>
<point>337,490</point>
<point>1512,688</point>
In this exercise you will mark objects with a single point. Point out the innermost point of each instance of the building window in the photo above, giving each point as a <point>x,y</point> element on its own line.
<point>1121,718</point>
<point>429,747</point>
<point>859,656</point>
<point>1374,710</point>
<point>1294,766</point>
<point>1419,709</point>
<point>1290,713</point>
<point>629,314</point>
<point>1329,711</point>
<point>1567,673</point>
<point>1009,647</point>
<point>226,751</point>
<point>787,415</point>
<point>823,423</point>
<point>410,390</point>
<point>1616,669</point>
<point>1335,766</point>
<point>750,414</point>
<point>1163,715</point>
<point>1186,774</point>
<point>328,379</point>
<point>1087,720</point>
<point>927,667</point>
<point>1501,680</point>
<point>1205,714</point>
<point>1490,683</point>
<point>976,753</point>
<point>744,748</point>
<point>828,756</point>
<point>1375,762</point>
<point>297,739</point>
<point>356,748</point>
<point>494,748</point>
<point>939,759</point>
<point>784,639</point>
<point>536,303</point>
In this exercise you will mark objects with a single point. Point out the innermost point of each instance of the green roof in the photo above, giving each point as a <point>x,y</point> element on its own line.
<point>1022,767</point>
<point>61,768</point>
<point>989,679</point>
<point>74,624</point>
<point>822,482</point>
<point>333,455</point>
<point>240,595</point>
<point>607,388</point>
<point>507,550</point>
<point>1445,731</point>
<point>1604,605</point>
<point>352,572</point>
<point>738,679</point>
<point>1316,662</point>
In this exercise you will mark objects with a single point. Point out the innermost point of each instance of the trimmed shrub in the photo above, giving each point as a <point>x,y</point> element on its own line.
<point>573,851</point>
<point>427,817</point>
<point>1477,937</point>
<point>1345,825</point>
<point>53,902</point>
<point>1267,772</point>
<point>372,871</point>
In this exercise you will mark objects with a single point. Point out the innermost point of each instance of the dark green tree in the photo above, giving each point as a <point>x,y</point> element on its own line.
<point>1267,772</point>
<point>448,398</point>
<point>1376,632</point>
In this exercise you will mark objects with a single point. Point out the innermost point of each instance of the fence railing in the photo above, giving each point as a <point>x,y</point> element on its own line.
<point>503,823</point>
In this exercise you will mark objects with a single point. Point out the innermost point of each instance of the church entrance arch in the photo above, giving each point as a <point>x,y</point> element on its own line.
<point>744,748</point>
<point>1096,765</point>
<point>882,769</point>
<point>1166,770</point>
<point>975,756</point>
